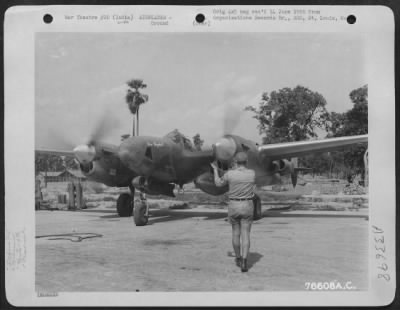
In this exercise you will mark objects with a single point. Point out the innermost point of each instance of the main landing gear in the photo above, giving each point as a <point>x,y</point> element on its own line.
<point>126,207</point>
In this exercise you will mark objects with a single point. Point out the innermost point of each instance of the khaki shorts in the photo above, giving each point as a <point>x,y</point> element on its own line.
<point>240,211</point>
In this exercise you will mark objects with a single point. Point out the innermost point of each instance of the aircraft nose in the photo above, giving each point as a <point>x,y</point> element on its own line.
<point>124,153</point>
<point>130,153</point>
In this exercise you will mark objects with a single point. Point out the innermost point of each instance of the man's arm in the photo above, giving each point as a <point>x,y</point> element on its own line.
<point>219,181</point>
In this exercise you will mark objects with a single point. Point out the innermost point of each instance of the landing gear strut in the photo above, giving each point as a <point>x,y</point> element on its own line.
<point>141,211</point>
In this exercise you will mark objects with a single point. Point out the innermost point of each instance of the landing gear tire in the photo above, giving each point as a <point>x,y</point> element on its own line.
<point>257,208</point>
<point>125,205</point>
<point>139,214</point>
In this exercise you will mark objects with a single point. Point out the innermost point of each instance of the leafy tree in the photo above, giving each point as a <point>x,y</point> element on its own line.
<point>134,98</point>
<point>290,114</point>
<point>198,142</point>
<point>70,163</point>
<point>319,162</point>
<point>334,124</point>
<point>48,162</point>
<point>352,122</point>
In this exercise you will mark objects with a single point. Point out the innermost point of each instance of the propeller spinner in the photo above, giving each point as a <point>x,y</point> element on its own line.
<point>84,153</point>
<point>225,149</point>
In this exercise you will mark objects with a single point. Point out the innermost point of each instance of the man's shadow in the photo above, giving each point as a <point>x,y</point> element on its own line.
<point>252,258</point>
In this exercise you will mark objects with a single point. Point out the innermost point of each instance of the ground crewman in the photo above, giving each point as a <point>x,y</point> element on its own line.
<point>241,182</point>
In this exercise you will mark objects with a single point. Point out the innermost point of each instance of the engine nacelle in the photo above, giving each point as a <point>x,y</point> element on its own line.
<point>96,172</point>
<point>153,187</point>
<point>206,183</point>
<point>282,166</point>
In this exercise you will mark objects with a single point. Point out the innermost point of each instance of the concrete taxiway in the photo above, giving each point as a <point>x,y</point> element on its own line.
<point>190,250</point>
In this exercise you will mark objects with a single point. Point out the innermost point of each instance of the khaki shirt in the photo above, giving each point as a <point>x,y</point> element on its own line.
<point>241,182</point>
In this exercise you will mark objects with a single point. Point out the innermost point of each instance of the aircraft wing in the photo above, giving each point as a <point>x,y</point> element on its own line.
<point>302,148</point>
<point>55,152</point>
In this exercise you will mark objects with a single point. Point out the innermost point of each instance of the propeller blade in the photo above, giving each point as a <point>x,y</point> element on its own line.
<point>231,118</point>
<point>226,147</point>
<point>293,177</point>
<point>58,140</point>
<point>294,172</point>
<point>105,124</point>
<point>237,94</point>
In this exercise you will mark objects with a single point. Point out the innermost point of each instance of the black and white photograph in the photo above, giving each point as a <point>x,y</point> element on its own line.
<point>203,160</point>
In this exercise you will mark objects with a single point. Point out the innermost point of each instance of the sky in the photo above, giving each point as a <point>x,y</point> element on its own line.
<point>195,81</point>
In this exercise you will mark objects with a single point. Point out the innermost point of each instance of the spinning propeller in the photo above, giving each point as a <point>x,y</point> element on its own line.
<point>86,153</point>
<point>226,148</point>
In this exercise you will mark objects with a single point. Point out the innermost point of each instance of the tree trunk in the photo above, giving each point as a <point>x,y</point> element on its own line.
<point>133,125</point>
<point>330,169</point>
<point>137,121</point>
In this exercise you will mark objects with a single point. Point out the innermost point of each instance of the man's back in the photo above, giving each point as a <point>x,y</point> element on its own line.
<point>241,183</point>
<point>240,210</point>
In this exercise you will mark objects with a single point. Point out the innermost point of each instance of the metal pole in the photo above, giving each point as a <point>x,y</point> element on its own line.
<point>79,196</point>
<point>45,172</point>
<point>71,196</point>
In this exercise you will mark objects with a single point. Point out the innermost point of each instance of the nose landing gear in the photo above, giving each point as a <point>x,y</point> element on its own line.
<point>126,206</point>
<point>141,211</point>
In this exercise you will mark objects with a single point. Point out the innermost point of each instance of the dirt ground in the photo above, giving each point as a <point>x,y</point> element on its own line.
<point>190,250</point>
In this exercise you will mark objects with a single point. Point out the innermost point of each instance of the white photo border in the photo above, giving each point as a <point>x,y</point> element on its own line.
<point>21,24</point>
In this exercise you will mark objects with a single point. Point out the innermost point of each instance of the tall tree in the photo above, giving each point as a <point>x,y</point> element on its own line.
<point>355,120</point>
<point>290,114</point>
<point>352,122</point>
<point>198,142</point>
<point>134,99</point>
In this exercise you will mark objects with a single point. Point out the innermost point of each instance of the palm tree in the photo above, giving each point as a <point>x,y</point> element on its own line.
<point>134,98</point>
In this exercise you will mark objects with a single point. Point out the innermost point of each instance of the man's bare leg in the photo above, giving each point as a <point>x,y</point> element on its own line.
<point>236,240</point>
<point>245,228</point>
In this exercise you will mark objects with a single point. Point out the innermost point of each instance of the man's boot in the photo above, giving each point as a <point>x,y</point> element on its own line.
<point>244,265</point>
<point>238,261</point>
